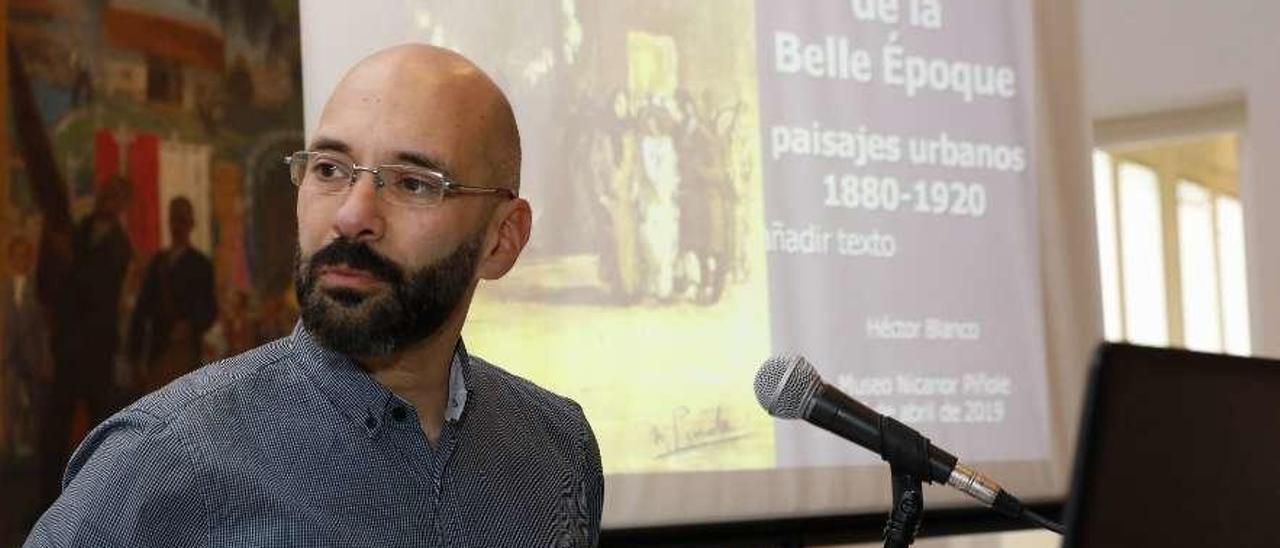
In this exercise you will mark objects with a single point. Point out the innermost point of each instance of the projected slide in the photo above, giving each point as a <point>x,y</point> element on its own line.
<point>900,218</point>
<point>717,181</point>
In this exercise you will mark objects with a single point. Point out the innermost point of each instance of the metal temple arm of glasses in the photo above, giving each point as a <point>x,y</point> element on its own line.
<point>464,189</point>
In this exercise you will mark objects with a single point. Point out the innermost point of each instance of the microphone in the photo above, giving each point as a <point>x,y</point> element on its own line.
<point>788,387</point>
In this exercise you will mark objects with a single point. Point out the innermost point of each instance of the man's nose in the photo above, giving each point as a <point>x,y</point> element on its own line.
<point>361,216</point>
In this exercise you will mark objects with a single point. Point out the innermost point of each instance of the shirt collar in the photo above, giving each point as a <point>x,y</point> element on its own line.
<point>353,391</point>
<point>458,370</point>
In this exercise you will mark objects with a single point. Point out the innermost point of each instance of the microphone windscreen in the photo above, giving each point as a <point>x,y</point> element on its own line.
<point>785,386</point>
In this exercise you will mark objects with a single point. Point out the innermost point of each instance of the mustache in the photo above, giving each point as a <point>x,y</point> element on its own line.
<point>355,255</point>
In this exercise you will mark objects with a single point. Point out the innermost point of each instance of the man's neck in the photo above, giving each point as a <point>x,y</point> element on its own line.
<point>102,223</point>
<point>177,249</point>
<point>420,374</point>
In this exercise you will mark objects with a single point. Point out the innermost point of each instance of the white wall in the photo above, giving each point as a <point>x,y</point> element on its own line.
<point>1143,56</point>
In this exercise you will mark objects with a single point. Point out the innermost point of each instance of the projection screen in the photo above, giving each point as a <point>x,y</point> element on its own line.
<point>718,181</point>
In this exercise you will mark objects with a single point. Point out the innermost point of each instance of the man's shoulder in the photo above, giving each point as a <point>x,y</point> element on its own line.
<point>516,410</point>
<point>543,439</point>
<point>201,393</point>
<point>183,423</point>
<point>197,259</point>
<point>523,393</point>
<point>146,476</point>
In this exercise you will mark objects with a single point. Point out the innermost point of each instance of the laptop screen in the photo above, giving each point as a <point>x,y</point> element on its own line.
<point>1178,448</point>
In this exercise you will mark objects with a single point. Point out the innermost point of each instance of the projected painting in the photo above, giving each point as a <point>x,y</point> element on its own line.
<point>146,218</point>
<point>641,163</point>
<point>719,181</point>
<point>716,182</point>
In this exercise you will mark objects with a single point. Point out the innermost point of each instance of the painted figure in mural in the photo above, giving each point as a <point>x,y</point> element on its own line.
<point>175,306</point>
<point>85,303</point>
<point>25,348</point>
<point>371,424</point>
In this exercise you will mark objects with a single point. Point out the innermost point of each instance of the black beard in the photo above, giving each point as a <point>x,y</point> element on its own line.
<point>355,323</point>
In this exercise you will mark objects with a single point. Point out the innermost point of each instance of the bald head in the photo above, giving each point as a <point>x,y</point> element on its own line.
<point>380,276</point>
<point>438,99</point>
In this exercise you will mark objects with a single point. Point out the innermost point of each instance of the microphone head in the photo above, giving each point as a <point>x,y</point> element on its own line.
<point>785,386</point>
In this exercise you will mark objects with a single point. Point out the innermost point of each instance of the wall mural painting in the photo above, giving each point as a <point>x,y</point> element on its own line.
<point>146,217</point>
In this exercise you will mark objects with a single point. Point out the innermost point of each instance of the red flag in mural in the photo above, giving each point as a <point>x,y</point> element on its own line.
<point>142,220</point>
<point>143,217</point>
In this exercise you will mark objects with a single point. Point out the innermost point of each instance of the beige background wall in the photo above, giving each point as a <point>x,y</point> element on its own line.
<point>1152,56</point>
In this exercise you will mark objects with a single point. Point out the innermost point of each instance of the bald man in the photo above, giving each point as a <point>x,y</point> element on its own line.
<point>371,425</point>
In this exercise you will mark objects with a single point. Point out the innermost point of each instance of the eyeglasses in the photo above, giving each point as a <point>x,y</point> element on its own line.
<point>403,185</point>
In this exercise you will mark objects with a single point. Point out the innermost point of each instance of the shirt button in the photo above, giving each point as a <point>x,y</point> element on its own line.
<point>371,422</point>
<point>399,413</point>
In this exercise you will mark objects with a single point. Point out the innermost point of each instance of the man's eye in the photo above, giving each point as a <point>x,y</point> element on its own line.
<point>326,169</point>
<point>415,185</point>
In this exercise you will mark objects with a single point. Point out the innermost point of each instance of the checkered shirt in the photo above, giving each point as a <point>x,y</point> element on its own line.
<point>291,444</point>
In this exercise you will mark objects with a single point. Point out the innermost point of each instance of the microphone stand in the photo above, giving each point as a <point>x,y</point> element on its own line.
<point>908,507</point>
<point>908,455</point>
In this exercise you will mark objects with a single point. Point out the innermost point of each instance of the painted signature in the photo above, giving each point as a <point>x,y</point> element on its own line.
<point>690,430</point>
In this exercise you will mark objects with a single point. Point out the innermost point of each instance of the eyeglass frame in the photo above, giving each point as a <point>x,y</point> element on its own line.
<point>447,184</point>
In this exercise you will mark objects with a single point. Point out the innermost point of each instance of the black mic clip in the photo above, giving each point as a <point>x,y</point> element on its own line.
<point>907,453</point>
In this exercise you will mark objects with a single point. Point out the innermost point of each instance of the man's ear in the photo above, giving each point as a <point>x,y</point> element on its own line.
<point>508,233</point>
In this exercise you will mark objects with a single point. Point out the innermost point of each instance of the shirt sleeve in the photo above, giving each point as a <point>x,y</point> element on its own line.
<point>130,483</point>
<point>592,480</point>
